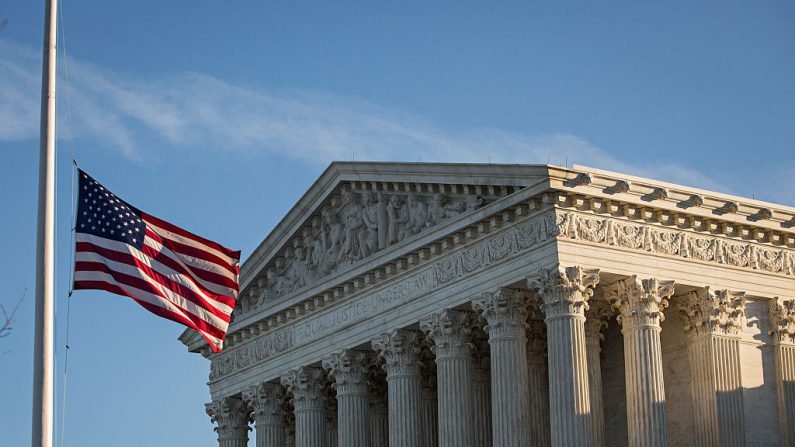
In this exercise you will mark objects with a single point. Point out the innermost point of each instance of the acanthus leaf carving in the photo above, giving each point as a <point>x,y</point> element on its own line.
<point>564,290</point>
<point>707,311</point>
<point>640,301</point>
<point>782,320</point>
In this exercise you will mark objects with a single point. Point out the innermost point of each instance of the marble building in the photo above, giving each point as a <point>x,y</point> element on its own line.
<point>414,305</point>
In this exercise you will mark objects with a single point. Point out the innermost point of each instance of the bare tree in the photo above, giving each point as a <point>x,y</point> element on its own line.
<point>8,319</point>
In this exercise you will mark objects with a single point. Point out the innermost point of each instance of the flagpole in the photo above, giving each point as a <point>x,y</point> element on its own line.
<point>43,352</point>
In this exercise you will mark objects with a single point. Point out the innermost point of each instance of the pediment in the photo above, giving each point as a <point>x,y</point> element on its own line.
<point>355,211</point>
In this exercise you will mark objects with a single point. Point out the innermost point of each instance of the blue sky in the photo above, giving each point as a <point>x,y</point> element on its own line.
<point>217,116</point>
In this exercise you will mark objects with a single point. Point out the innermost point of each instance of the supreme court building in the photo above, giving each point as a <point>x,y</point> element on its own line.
<point>423,304</point>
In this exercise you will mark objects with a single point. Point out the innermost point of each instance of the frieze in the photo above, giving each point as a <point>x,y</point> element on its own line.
<point>493,249</point>
<point>362,308</point>
<point>677,243</point>
<point>257,350</point>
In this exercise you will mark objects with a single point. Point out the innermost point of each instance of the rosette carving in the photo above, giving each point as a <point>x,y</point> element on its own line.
<point>707,311</point>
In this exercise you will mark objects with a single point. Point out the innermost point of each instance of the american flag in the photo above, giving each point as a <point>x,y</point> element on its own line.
<point>167,270</point>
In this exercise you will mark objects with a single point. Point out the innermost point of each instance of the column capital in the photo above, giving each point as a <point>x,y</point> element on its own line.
<point>710,311</point>
<point>449,331</point>
<point>640,301</point>
<point>400,350</point>
<point>231,416</point>
<point>504,310</point>
<point>349,369</point>
<point>307,385</point>
<point>564,290</point>
<point>481,351</point>
<point>596,317</point>
<point>782,320</point>
<point>267,402</point>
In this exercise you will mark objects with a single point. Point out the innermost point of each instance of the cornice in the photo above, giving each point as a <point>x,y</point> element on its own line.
<point>662,196</point>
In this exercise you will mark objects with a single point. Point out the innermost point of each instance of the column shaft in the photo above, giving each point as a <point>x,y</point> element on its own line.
<point>785,375</point>
<point>481,407</point>
<point>565,292</point>
<point>782,322</point>
<point>569,404</point>
<point>400,349</point>
<point>308,387</point>
<point>641,303</point>
<point>379,425</point>
<point>430,418</point>
<point>645,388</point>
<point>538,382</point>
<point>350,370</point>
<point>505,312</point>
<point>593,352</point>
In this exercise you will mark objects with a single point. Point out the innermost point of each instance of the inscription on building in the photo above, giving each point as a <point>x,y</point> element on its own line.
<point>365,307</point>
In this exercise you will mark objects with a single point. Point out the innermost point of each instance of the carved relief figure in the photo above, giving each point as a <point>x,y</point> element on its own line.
<point>332,233</point>
<point>417,216</point>
<point>439,209</point>
<point>354,246</point>
<point>396,211</point>
<point>374,217</point>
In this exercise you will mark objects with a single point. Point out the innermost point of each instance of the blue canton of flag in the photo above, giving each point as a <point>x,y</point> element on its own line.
<point>101,213</point>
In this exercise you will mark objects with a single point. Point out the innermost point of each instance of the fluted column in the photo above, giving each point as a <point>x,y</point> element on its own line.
<point>266,401</point>
<point>641,304</point>
<point>713,323</point>
<point>449,331</point>
<point>231,416</point>
<point>565,292</point>
<point>349,370</point>
<point>430,403</point>
<point>782,319</point>
<point>308,388</point>
<point>331,419</point>
<point>379,414</point>
<point>481,387</point>
<point>596,317</point>
<point>538,382</point>
<point>400,350</point>
<point>505,312</point>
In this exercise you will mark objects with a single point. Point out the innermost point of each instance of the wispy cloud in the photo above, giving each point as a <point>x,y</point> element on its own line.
<point>194,110</point>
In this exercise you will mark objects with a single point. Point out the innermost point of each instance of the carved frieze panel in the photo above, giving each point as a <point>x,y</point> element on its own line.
<point>359,222</point>
<point>609,231</point>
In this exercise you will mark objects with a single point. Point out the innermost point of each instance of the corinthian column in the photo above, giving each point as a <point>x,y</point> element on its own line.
<point>481,387</point>
<point>307,385</point>
<point>231,416</point>
<point>266,400</point>
<point>713,323</point>
<point>348,368</point>
<point>782,320</point>
<point>505,312</point>
<point>401,350</point>
<point>596,317</point>
<point>565,292</point>
<point>641,304</point>
<point>429,400</point>
<point>379,414</point>
<point>449,331</point>
<point>538,382</point>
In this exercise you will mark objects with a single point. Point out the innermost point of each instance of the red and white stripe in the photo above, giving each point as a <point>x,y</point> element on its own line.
<point>176,275</point>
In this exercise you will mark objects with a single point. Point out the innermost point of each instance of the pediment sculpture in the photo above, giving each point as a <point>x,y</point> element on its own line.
<point>353,226</point>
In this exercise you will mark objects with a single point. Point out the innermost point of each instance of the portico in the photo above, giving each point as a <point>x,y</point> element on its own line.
<point>511,305</point>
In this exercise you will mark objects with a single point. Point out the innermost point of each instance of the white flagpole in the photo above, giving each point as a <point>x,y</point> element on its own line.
<point>43,353</point>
